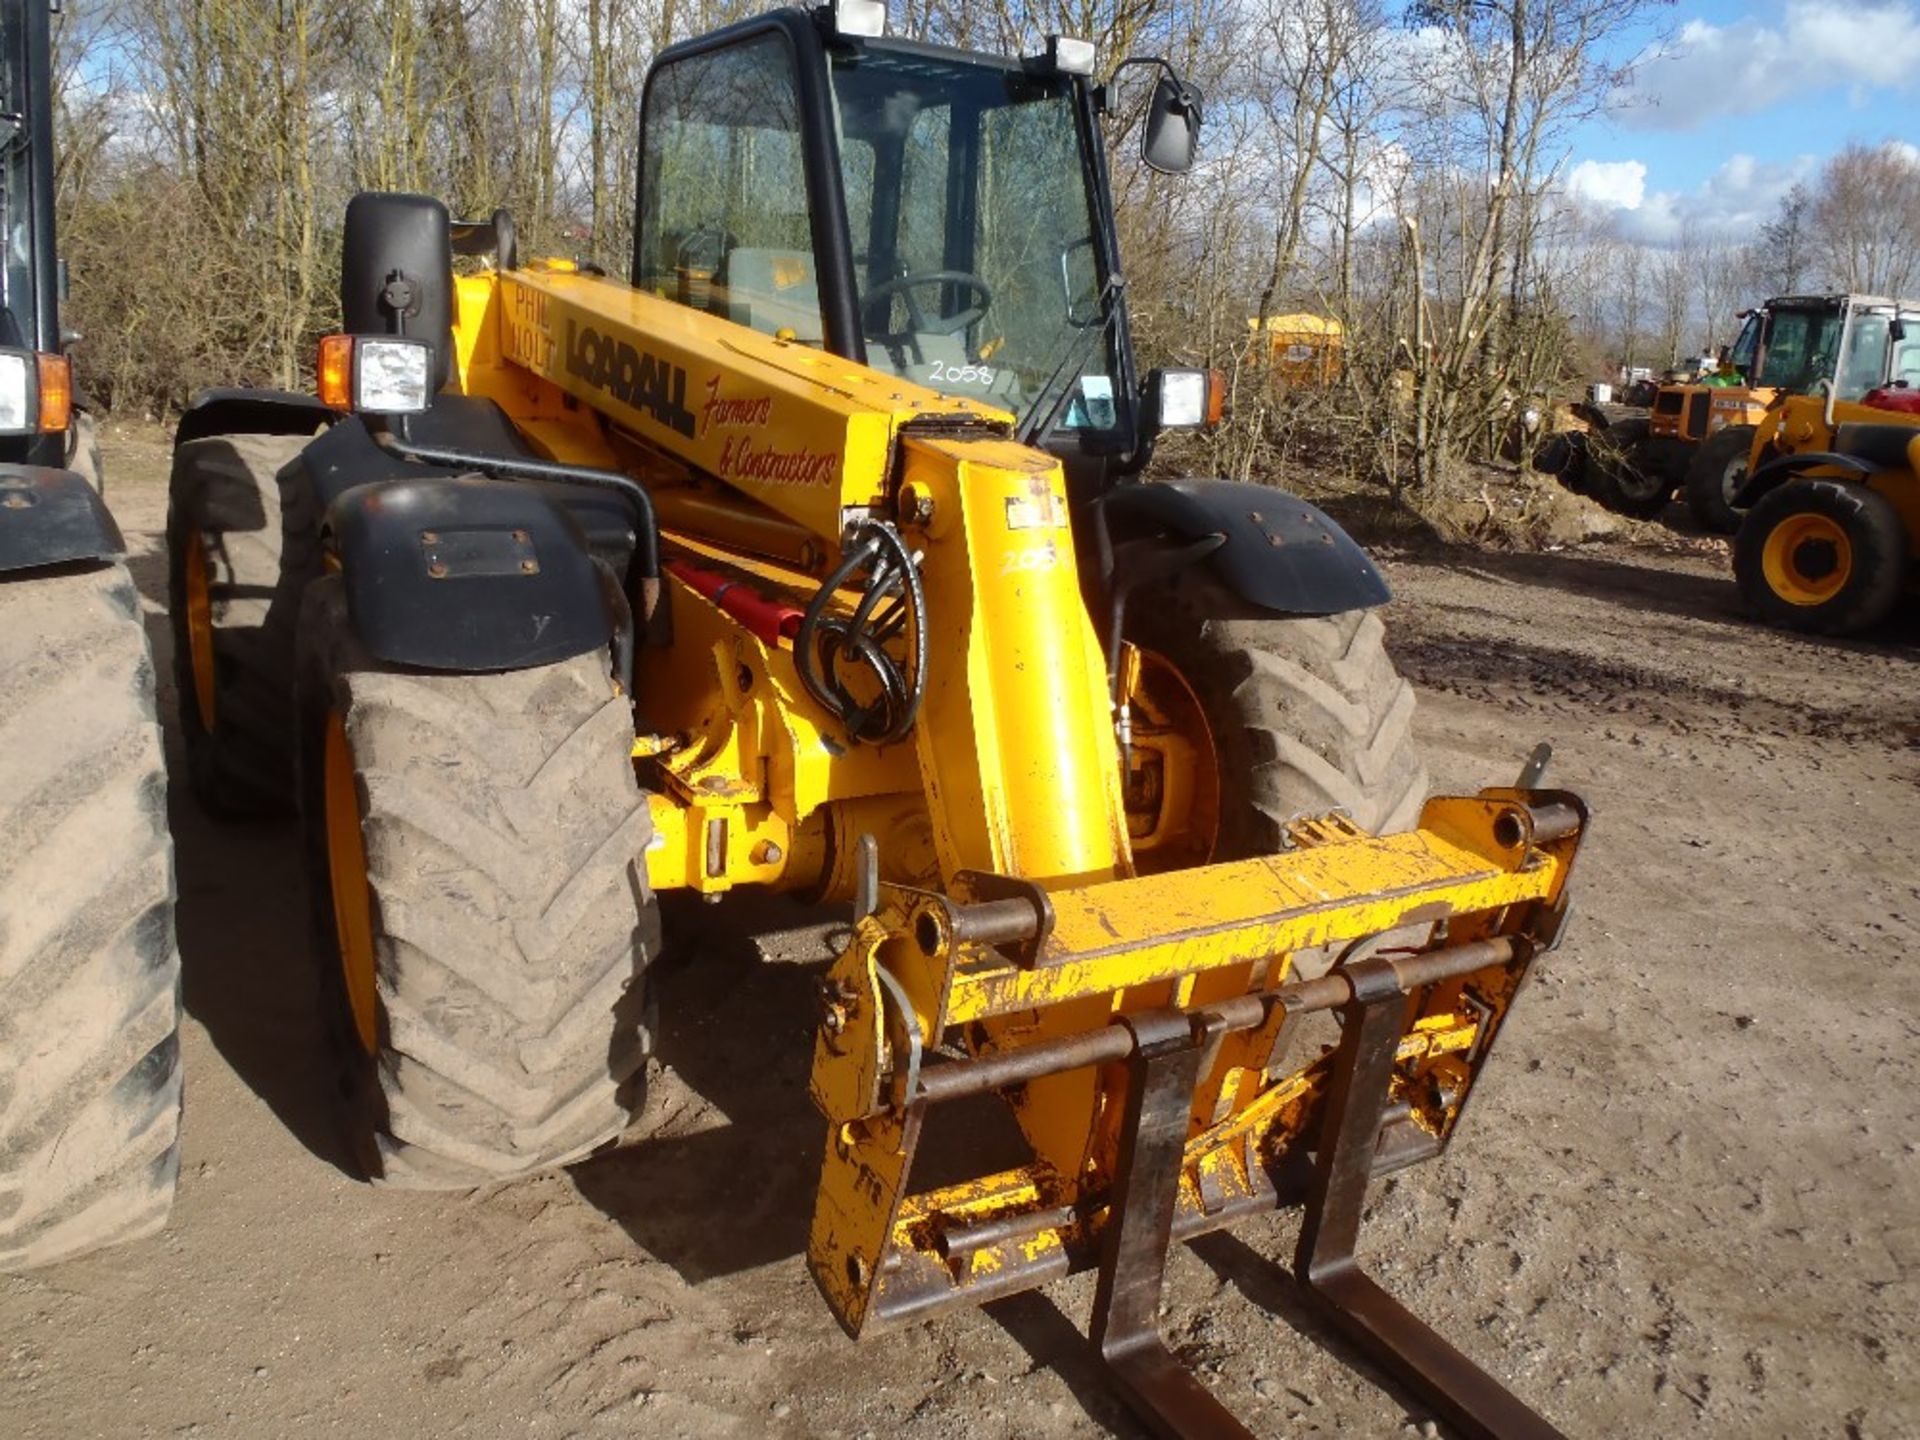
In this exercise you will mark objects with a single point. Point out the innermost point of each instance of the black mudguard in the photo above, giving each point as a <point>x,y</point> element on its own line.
<point>52,517</point>
<point>252,412</point>
<point>1281,553</point>
<point>449,573</point>
<point>347,456</point>
<point>1859,448</point>
<point>1777,472</point>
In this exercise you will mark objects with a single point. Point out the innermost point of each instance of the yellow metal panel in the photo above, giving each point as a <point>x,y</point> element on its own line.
<point>806,433</point>
<point>1108,938</point>
<point>1016,736</point>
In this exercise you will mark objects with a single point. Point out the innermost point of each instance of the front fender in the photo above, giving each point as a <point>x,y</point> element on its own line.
<point>251,412</point>
<point>1281,553</point>
<point>52,517</point>
<point>1777,472</point>
<point>467,574</point>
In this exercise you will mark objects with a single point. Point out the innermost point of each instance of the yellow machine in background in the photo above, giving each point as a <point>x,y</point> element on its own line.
<point>1831,542</point>
<point>814,557</point>
<point>1298,349</point>
<point>1702,437</point>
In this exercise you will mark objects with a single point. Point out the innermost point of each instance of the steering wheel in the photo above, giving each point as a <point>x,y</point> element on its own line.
<point>917,322</point>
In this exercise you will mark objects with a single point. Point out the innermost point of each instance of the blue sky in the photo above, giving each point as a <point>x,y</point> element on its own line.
<point>1736,101</point>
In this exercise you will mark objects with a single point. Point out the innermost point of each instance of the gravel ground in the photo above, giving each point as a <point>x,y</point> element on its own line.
<point>1685,1205</point>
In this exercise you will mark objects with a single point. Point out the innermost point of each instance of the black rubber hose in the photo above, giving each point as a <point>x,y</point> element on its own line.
<point>894,582</point>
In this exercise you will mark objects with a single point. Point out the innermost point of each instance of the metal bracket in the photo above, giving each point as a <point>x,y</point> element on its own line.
<point>1002,910</point>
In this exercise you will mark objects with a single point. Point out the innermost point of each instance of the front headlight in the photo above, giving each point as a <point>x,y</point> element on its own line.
<point>390,376</point>
<point>1183,399</point>
<point>36,393</point>
<point>375,374</point>
<point>1187,399</point>
<point>16,392</point>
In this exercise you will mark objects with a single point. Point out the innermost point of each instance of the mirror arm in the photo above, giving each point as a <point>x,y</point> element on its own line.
<point>1187,97</point>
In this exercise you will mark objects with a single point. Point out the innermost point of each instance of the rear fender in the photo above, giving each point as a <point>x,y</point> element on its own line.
<point>52,517</point>
<point>1279,552</point>
<point>449,573</point>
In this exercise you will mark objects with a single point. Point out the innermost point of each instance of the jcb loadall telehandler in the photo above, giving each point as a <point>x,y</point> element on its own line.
<point>814,558</point>
<point>89,974</point>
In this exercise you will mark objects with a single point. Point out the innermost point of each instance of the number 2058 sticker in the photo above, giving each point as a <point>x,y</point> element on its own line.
<point>1018,562</point>
<point>961,374</point>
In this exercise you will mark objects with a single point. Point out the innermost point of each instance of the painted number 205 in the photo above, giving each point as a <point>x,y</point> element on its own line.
<point>1015,562</point>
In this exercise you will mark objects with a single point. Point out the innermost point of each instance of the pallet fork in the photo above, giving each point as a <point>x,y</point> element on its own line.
<point>1195,1116</point>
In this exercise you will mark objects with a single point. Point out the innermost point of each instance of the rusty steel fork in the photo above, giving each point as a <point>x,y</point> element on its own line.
<point>1163,1068</point>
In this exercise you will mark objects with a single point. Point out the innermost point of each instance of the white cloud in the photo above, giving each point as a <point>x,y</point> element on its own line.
<point>1733,203</point>
<point>1608,184</point>
<point>1740,69</point>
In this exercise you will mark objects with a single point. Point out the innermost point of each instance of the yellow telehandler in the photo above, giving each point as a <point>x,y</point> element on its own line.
<point>813,556</point>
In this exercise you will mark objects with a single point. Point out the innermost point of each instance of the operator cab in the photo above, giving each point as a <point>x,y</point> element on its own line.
<point>935,214</point>
<point>1844,345</point>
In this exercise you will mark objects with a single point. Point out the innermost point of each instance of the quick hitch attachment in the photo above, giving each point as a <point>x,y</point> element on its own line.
<point>1143,1032</point>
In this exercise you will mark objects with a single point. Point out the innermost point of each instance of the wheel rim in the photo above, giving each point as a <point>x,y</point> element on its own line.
<point>200,630</point>
<point>1173,794</point>
<point>1807,559</point>
<point>347,880</point>
<point>1732,478</point>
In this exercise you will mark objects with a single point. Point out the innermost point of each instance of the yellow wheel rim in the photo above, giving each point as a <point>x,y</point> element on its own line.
<point>1173,795</point>
<point>1807,559</point>
<point>347,879</point>
<point>200,630</point>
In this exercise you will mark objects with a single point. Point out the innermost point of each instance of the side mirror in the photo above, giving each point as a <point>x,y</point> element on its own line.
<point>1897,331</point>
<point>1172,133</point>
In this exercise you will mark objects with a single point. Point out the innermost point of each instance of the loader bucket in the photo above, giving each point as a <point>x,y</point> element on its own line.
<point>1143,1031</point>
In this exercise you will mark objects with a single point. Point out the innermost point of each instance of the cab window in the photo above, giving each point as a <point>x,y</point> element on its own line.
<point>723,197</point>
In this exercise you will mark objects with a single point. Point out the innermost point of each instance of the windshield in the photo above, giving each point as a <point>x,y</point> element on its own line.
<point>1801,346</point>
<point>973,229</point>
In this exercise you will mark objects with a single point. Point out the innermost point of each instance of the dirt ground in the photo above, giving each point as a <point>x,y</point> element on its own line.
<point>1687,1205</point>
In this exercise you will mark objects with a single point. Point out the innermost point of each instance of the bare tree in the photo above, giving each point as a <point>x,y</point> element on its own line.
<point>1784,249</point>
<point>1866,215</point>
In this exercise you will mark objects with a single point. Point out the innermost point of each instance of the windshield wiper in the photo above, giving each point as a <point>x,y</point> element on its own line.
<point>1040,423</point>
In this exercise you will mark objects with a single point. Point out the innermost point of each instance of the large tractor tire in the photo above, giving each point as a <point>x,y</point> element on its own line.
<point>89,972</point>
<point>1618,475</point>
<point>1300,715</point>
<point>232,645</point>
<point>478,851</point>
<point>1823,556</point>
<point>1718,471</point>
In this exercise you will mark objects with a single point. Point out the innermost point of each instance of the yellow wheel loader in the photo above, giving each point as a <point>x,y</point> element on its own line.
<point>1831,541</point>
<point>813,556</point>
<point>1702,438</point>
